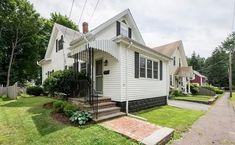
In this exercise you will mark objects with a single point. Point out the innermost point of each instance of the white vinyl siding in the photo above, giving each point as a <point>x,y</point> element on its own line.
<point>140,88</point>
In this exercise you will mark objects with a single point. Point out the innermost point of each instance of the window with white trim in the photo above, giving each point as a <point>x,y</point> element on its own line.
<point>174,61</point>
<point>149,68</point>
<point>83,68</point>
<point>142,67</point>
<point>124,30</point>
<point>155,70</point>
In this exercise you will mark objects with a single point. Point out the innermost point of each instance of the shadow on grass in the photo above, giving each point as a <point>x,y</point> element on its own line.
<point>43,122</point>
<point>26,102</point>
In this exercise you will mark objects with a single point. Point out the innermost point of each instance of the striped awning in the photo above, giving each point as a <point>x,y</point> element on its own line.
<point>107,46</point>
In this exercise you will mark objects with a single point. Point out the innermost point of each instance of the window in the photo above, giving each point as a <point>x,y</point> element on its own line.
<point>142,67</point>
<point>149,68</point>
<point>174,61</point>
<point>83,68</point>
<point>171,80</point>
<point>155,70</point>
<point>61,41</point>
<point>179,62</point>
<point>124,30</point>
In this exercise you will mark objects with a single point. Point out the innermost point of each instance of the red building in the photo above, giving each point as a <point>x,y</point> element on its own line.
<point>198,78</point>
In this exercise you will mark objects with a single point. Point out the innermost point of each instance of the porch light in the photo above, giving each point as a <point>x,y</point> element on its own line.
<point>106,62</point>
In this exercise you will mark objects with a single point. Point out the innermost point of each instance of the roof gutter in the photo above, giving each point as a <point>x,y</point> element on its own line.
<point>136,44</point>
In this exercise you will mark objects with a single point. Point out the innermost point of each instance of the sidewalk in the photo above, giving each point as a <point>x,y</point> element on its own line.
<point>217,127</point>
<point>188,105</point>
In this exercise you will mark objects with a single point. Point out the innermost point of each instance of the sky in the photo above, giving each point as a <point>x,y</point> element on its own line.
<point>200,24</point>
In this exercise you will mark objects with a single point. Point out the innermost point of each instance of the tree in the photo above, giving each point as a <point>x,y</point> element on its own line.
<point>24,37</point>
<point>19,30</point>
<point>197,62</point>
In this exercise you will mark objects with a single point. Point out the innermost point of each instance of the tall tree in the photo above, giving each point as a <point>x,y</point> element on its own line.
<point>19,30</point>
<point>197,62</point>
<point>24,36</point>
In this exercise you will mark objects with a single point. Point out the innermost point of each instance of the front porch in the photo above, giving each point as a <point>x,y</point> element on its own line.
<point>98,60</point>
<point>182,79</point>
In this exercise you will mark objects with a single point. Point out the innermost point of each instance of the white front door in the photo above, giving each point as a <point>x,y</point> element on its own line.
<point>99,76</point>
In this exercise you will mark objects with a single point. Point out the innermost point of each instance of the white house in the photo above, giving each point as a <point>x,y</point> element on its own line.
<point>180,72</point>
<point>117,60</point>
<point>56,57</point>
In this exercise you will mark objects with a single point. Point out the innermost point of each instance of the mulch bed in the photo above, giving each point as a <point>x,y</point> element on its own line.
<point>60,117</point>
<point>48,105</point>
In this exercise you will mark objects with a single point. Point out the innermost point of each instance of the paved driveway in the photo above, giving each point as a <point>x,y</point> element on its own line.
<point>188,105</point>
<point>217,127</point>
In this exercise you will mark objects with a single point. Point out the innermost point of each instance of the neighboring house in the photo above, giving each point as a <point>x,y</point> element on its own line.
<point>56,54</point>
<point>120,65</point>
<point>198,78</point>
<point>179,71</point>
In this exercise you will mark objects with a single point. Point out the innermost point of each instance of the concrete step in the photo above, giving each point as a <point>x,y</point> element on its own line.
<point>110,116</point>
<point>108,111</point>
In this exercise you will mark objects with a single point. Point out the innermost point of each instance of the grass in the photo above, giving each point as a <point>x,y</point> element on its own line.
<point>233,97</point>
<point>25,122</point>
<point>199,98</point>
<point>179,119</point>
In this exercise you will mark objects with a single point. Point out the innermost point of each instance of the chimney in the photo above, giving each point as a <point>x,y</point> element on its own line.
<point>85,27</point>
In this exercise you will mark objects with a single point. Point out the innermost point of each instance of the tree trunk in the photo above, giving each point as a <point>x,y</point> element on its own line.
<point>10,64</point>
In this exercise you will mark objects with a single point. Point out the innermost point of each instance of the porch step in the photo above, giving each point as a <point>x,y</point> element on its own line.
<point>108,111</point>
<point>110,116</point>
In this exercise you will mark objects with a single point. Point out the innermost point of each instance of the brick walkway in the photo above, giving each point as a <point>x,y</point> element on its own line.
<point>217,127</point>
<point>139,130</point>
<point>134,128</point>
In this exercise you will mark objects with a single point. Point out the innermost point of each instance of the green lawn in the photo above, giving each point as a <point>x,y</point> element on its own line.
<point>233,97</point>
<point>173,117</point>
<point>25,122</point>
<point>199,98</point>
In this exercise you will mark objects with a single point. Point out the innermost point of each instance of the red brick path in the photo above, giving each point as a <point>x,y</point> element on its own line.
<point>131,127</point>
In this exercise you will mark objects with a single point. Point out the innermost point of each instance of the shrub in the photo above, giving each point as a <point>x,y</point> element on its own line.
<point>59,106</point>
<point>69,109</point>
<point>213,88</point>
<point>194,89</point>
<point>63,82</point>
<point>80,118</point>
<point>177,93</point>
<point>34,90</point>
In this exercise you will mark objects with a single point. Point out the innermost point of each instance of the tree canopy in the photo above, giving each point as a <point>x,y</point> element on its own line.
<point>24,35</point>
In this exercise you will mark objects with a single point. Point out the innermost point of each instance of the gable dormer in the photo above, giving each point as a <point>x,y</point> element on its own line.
<point>122,28</point>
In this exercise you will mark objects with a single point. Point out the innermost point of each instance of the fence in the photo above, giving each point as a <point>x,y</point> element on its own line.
<point>11,91</point>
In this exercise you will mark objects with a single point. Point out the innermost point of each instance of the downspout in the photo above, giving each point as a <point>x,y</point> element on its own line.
<point>127,98</point>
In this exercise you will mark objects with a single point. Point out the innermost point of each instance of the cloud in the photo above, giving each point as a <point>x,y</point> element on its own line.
<point>201,24</point>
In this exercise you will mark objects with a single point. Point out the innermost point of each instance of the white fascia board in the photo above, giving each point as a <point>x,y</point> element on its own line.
<point>142,47</point>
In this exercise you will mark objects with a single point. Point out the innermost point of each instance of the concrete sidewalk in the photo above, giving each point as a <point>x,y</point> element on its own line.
<point>188,105</point>
<point>217,127</point>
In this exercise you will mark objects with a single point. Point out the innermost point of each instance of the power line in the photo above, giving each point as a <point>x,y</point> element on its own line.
<point>70,12</point>
<point>82,12</point>
<point>213,64</point>
<point>94,10</point>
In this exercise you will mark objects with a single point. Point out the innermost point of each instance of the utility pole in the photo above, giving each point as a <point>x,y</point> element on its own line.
<point>230,72</point>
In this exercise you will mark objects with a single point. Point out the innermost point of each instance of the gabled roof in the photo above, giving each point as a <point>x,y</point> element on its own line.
<point>107,23</point>
<point>69,34</point>
<point>168,49</point>
<point>200,75</point>
<point>184,71</point>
